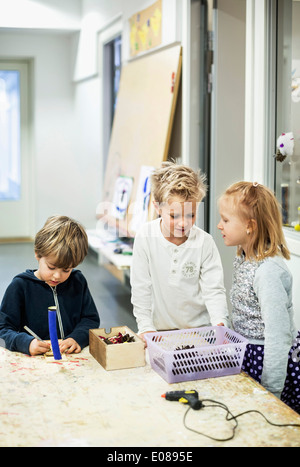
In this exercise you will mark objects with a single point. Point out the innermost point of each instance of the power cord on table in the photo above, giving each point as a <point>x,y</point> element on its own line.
<point>191,398</point>
<point>232,417</point>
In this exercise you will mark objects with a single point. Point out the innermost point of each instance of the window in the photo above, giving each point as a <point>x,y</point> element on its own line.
<point>10,165</point>
<point>287,170</point>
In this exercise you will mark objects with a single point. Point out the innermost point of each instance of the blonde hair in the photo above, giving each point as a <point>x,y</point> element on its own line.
<point>63,238</point>
<point>173,180</point>
<point>257,202</point>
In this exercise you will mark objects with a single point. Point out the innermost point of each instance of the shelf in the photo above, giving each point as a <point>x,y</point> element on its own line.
<point>104,245</point>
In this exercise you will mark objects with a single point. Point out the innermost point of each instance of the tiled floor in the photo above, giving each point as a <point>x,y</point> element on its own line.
<point>111,297</point>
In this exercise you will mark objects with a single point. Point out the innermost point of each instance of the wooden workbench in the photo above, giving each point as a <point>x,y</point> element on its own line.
<point>78,403</point>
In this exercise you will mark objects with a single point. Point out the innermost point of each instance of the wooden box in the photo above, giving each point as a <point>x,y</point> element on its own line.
<point>117,356</point>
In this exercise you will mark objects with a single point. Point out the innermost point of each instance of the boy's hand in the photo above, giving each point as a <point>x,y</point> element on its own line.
<point>37,347</point>
<point>220,324</point>
<point>69,346</point>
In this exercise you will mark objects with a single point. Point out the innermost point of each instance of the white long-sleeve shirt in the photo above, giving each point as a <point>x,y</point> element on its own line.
<point>176,287</point>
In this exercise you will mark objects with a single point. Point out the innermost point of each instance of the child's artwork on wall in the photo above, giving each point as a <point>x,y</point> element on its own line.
<point>123,188</point>
<point>145,29</point>
<point>141,205</point>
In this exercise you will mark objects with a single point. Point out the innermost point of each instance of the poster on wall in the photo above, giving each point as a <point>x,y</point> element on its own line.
<point>145,29</point>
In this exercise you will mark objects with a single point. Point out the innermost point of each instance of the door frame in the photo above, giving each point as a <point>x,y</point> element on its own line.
<point>109,32</point>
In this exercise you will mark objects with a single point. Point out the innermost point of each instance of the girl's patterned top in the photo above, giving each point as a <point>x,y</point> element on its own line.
<point>246,313</point>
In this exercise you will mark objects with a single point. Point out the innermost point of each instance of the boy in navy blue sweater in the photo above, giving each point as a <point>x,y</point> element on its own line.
<point>59,247</point>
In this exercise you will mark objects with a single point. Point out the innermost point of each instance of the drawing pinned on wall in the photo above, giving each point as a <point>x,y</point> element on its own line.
<point>141,205</point>
<point>145,29</point>
<point>123,189</point>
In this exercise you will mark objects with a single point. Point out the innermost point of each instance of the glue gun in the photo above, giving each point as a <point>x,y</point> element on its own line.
<point>185,397</point>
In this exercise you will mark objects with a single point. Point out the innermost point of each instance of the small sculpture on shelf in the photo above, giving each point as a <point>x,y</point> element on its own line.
<point>285,146</point>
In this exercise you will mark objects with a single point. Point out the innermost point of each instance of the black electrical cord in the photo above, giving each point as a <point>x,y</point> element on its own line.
<point>219,405</point>
<point>230,417</point>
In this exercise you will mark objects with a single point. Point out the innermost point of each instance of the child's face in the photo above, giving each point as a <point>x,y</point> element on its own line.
<point>233,228</point>
<point>178,217</point>
<point>49,273</point>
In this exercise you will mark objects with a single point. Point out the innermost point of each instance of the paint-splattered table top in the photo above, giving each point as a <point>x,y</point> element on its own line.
<point>77,403</point>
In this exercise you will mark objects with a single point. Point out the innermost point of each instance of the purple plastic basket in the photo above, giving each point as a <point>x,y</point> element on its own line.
<point>217,351</point>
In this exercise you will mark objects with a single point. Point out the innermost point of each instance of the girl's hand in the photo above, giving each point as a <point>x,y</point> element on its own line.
<point>37,347</point>
<point>69,346</point>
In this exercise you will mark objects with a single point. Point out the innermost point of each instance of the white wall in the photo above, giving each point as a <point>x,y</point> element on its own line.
<point>41,14</point>
<point>97,17</point>
<point>60,39</point>
<point>65,160</point>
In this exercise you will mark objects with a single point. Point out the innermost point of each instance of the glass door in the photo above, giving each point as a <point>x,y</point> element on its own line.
<point>287,157</point>
<point>16,207</point>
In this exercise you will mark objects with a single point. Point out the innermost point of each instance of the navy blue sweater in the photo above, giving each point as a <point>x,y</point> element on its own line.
<point>26,302</point>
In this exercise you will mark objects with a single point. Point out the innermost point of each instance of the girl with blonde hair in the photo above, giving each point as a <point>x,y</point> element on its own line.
<point>261,294</point>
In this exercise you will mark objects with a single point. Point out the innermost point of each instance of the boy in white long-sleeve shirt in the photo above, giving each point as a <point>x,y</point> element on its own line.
<point>176,273</point>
